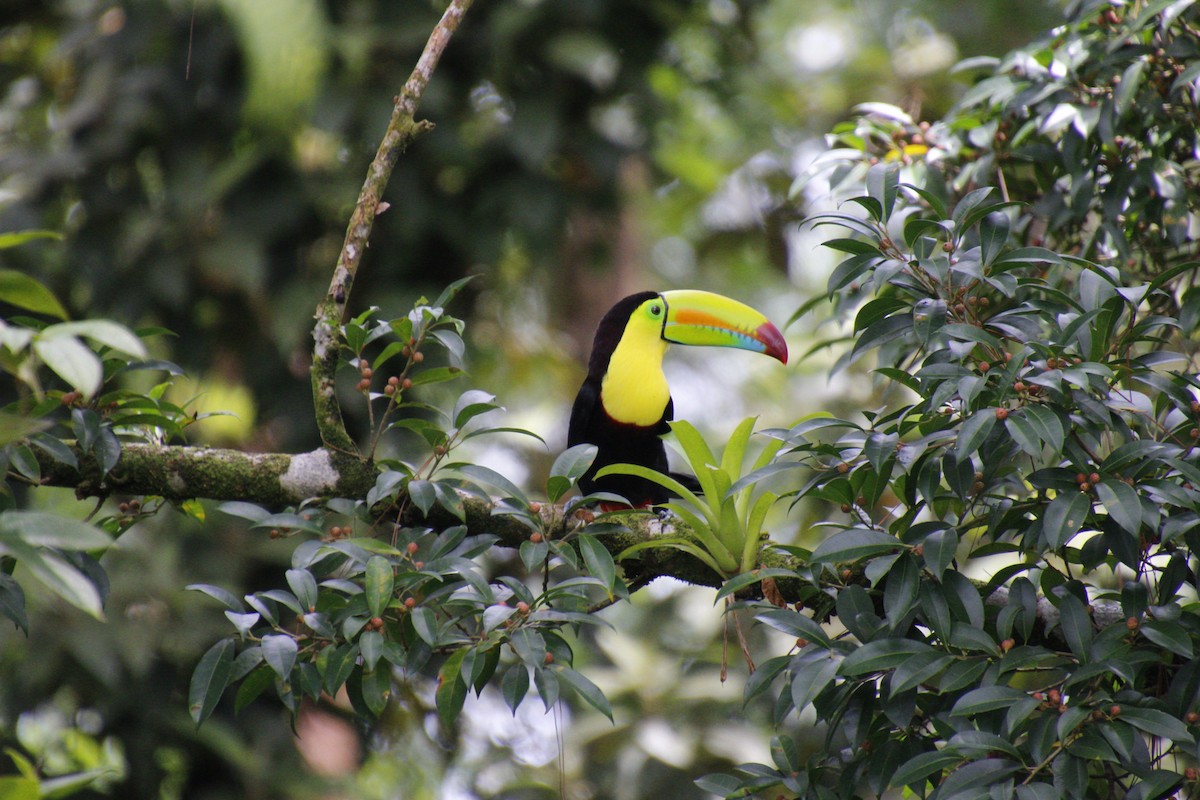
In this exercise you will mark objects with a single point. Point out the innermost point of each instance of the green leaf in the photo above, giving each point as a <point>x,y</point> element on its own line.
<point>425,625</point>
<point>58,575</point>
<point>304,585</point>
<point>993,234</point>
<point>378,585</point>
<point>881,655</point>
<point>12,602</point>
<point>974,431</point>
<point>793,623</point>
<point>589,691</point>
<point>471,404</point>
<point>376,686</point>
<point>883,184</point>
<point>939,549</point>
<point>811,679</point>
<point>1156,723</point>
<point>1170,636</point>
<point>985,699</point>
<point>40,529</point>
<point>451,690</point>
<point>1064,517</point>
<point>72,361</point>
<point>739,582</point>
<point>599,561</point>
<point>854,544</point>
<point>573,462</point>
<point>209,679</point>
<point>422,494</point>
<point>1121,502</point>
<point>1076,625</point>
<point>228,598</point>
<point>279,651</point>
<point>515,686</point>
<point>917,769</point>
<point>489,477</point>
<point>20,290</point>
<point>919,669</point>
<point>102,332</point>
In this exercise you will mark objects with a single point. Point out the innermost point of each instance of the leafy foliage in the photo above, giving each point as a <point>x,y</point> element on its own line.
<point>725,522</point>
<point>374,592</point>
<point>1045,417</point>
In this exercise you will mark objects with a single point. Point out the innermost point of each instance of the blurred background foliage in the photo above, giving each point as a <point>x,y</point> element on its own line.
<point>202,158</point>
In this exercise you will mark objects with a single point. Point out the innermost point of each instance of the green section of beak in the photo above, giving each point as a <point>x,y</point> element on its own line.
<point>704,318</point>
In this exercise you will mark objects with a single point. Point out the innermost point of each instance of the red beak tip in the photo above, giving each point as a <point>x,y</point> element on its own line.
<point>776,345</point>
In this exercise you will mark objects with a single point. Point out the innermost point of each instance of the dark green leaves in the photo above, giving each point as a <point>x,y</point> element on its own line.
<point>209,679</point>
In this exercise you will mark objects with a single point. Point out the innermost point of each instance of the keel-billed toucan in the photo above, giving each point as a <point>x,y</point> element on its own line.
<point>624,404</point>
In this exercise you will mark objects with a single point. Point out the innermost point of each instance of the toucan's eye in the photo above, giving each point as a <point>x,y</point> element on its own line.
<point>655,310</point>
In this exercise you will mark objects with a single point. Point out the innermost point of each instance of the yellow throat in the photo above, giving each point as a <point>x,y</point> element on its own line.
<point>634,389</point>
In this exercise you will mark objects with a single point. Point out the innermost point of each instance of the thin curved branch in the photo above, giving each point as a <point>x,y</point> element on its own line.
<point>402,129</point>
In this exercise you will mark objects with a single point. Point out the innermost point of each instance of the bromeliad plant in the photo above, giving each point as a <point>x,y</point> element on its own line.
<point>727,516</point>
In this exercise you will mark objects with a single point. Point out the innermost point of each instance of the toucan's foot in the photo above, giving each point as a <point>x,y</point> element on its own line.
<point>663,522</point>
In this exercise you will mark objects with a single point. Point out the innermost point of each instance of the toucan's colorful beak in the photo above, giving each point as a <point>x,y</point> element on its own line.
<point>704,318</point>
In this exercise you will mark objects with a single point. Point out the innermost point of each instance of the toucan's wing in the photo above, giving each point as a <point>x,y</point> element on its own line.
<point>587,405</point>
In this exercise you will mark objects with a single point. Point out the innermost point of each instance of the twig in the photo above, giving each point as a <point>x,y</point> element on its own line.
<point>401,130</point>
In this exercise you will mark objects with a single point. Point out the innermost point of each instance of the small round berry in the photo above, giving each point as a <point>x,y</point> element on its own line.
<point>363,385</point>
<point>412,548</point>
<point>410,602</point>
<point>843,468</point>
<point>522,607</point>
<point>948,247</point>
<point>535,537</point>
<point>393,381</point>
<point>418,357</point>
<point>389,390</point>
<point>802,642</point>
<point>1191,718</point>
<point>549,659</point>
<point>1114,710</point>
<point>1132,623</point>
<point>845,508</point>
<point>406,384</point>
<point>1001,414</point>
<point>1094,478</point>
<point>367,372</point>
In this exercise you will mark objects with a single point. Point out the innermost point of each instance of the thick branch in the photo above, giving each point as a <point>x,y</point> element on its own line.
<point>277,480</point>
<point>401,130</point>
<point>274,480</point>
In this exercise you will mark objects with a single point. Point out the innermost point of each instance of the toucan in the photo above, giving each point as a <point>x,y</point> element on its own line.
<point>624,404</point>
